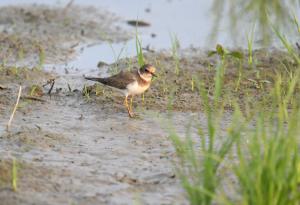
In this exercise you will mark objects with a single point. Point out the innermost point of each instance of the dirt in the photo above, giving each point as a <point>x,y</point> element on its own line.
<point>38,34</point>
<point>80,151</point>
<point>180,90</point>
<point>79,147</point>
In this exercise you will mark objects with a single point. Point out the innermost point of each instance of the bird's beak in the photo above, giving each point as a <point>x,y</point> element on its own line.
<point>154,75</point>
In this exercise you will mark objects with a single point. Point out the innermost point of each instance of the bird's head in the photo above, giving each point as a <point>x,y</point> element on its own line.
<point>147,71</point>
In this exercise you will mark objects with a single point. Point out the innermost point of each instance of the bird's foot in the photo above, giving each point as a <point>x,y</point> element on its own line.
<point>131,114</point>
<point>134,116</point>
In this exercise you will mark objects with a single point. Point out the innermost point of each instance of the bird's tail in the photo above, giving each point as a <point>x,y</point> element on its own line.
<point>93,78</point>
<point>100,80</point>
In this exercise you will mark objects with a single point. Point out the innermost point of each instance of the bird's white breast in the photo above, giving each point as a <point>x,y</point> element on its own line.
<point>135,89</point>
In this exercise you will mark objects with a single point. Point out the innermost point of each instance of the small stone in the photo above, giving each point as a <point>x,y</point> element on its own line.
<point>120,176</point>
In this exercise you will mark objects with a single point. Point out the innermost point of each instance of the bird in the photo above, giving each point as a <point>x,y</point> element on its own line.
<point>129,83</point>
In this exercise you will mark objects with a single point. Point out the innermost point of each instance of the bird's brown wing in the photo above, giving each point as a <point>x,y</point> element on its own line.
<point>120,80</point>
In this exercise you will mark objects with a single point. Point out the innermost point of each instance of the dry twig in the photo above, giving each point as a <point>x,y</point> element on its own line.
<point>15,108</point>
<point>68,6</point>
<point>33,98</point>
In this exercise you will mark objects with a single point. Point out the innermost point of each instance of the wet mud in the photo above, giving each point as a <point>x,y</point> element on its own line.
<point>80,151</point>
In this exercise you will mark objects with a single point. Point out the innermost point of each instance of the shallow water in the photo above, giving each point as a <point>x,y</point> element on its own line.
<point>189,20</point>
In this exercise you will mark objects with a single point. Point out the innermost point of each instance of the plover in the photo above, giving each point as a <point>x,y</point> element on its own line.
<point>129,83</point>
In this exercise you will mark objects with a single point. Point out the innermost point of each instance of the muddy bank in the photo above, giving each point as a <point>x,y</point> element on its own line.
<point>38,34</point>
<point>180,80</point>
<point>80,147</point>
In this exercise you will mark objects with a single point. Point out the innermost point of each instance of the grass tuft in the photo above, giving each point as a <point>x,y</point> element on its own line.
<point>139,50</point>
<point>175,46</point>
<point>287,45</point>
<point>199,173</point>
<point>262,141</point>
<point>14,174</point>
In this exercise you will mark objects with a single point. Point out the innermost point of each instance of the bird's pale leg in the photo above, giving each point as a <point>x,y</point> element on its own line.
<point>130,107</point>
<point>127,107</point>
<point>131,101</point>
